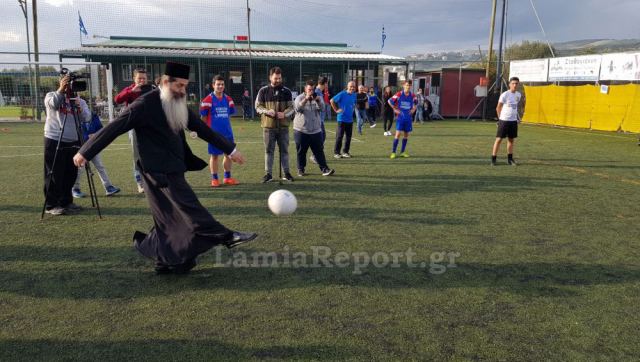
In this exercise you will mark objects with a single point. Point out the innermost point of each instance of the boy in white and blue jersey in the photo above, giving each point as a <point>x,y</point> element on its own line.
<point>404,105</point>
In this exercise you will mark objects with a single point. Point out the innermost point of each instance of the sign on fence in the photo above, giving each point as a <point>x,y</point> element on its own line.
<point>535,70</point>
<point>582,68</point>
<point>620,66</point>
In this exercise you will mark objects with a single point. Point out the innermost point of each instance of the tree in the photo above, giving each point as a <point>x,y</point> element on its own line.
<point>7,85</point>
<point>528,50</point>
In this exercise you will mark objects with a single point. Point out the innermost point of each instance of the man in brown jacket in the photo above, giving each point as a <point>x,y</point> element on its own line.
<point>274,104</point>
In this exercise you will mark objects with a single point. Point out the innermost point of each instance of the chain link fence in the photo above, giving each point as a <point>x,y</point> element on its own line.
<point>23,87</point>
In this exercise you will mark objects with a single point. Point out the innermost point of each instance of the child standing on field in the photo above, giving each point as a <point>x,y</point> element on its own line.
<point>216,110</point>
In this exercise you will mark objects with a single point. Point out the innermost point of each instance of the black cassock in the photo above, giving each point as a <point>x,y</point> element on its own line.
<point>183,228</point>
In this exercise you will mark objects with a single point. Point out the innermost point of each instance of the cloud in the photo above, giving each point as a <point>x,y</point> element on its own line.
<point>411,26</point>
<point>59,3</point>
<point>9,37</point>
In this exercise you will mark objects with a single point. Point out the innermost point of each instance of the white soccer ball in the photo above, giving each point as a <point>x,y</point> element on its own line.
<point>282,202</point>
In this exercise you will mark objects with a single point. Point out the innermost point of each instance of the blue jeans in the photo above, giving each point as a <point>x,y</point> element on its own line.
<point>361,115</point>
<point>419,116</point>
<point>134,145</point>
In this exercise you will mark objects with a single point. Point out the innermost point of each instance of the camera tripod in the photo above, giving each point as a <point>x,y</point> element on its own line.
<point>50,172</point>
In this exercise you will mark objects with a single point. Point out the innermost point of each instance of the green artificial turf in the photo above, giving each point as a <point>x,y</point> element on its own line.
<point>541,261</point>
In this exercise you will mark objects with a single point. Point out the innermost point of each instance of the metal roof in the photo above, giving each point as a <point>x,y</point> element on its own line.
<point>184,43</point>
<point>208,48</point>
<point>224,53</point>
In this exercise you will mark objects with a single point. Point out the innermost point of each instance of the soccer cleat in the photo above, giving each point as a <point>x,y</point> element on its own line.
<point>267,178</point>
<point>393,156</point>
<point>140,189</point>
<point>337,156</point>
<point>215,183</point>
<point>55,211</point>
<point>512,162</point>
<point>494,162</point>
<point>288,177</point>
<point>373,126</point>
<point>312,158</point>
<point>112,190</point>
<point>239,238</point>
<point>76,193</point>
<point>230,181</point>
<point>405,155</point>
<point>301,173</point>
<point>328,172</point>
<point>346,155</point>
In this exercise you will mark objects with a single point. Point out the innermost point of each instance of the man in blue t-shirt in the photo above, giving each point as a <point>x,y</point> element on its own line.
<point>404,105</point>
<point>343,104</point>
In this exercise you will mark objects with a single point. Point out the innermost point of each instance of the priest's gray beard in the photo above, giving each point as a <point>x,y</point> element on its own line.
<point>175,109</point>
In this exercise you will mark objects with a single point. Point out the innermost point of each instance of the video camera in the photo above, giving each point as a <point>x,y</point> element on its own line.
<point>75,85</point>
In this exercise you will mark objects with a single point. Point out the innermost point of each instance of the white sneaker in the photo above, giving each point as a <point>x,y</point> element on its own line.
<point>337,156</point>
<point>373,126</point>
<point>55,211</point>
<point>346,155</point>
<point>140,189</point>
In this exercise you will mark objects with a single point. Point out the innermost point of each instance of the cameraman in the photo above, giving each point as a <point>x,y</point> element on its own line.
<point>307,129</point>
<point>61,125</point>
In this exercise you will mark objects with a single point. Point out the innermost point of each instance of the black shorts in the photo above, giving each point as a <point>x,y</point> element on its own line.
<point>507,129</point>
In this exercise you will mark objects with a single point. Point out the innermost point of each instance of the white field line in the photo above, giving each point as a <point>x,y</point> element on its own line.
<point>352,138</point>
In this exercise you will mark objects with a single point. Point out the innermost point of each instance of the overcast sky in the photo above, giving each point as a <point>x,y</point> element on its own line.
<point>412,26</point>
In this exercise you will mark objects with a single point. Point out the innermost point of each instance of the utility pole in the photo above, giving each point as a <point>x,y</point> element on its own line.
<point>24,7</point>
<point>491,30</point>
<point>499,67</point>
<point>250,58</point>
<point>36,57</point>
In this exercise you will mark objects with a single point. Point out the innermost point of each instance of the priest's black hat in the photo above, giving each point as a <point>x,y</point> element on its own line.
<point>177,70</point>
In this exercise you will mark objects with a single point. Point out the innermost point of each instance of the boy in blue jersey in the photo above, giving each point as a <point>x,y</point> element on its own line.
<point>372,112</point>
<point>343,104</point>
<point>216,110</point>
<point>404,105</point>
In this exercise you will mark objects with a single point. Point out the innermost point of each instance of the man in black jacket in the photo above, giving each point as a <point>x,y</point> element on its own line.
<point>183,228</point>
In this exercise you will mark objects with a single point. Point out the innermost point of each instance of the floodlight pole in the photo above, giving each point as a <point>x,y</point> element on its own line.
<point>489,55</point>
<point>23,7</point>
<point>250,58</point>
<point>499,67</point>
<point>36,55</point>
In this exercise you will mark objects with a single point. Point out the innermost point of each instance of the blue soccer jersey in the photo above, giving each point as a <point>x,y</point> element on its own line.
<point>217,113</point>
<point>404,103</point>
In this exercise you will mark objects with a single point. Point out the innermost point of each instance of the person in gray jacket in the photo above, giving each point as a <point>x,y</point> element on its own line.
<point>307,129</point>
<point>60,124</point>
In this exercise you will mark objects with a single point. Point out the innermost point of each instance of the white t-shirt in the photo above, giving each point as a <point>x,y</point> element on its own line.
<point>509,102</point>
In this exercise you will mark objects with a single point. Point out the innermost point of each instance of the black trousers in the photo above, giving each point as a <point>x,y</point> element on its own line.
<point>183,228</point>
<point>372,113</point>
<point>63,173</point>
<point>388,119</point>
<point>342,130</point>
<point>303,143</point>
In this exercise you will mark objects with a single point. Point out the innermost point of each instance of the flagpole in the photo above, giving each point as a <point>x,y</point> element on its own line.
<point>79,29</point>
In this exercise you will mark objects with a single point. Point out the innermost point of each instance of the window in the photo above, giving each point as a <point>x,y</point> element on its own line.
<point>127,72</point>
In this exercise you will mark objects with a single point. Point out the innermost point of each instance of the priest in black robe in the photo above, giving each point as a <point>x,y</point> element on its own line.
<point>183,228</point>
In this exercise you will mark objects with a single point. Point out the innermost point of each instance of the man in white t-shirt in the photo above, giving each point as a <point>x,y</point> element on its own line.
<point>508,119</point>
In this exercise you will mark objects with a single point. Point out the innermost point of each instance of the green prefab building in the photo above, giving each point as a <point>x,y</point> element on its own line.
<point>299,62</point>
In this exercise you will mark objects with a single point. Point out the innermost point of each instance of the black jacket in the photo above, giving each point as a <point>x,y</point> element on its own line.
<point>159,148</point>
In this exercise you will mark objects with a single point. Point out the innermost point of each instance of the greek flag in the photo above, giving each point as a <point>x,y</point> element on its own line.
<point>83,30</point>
